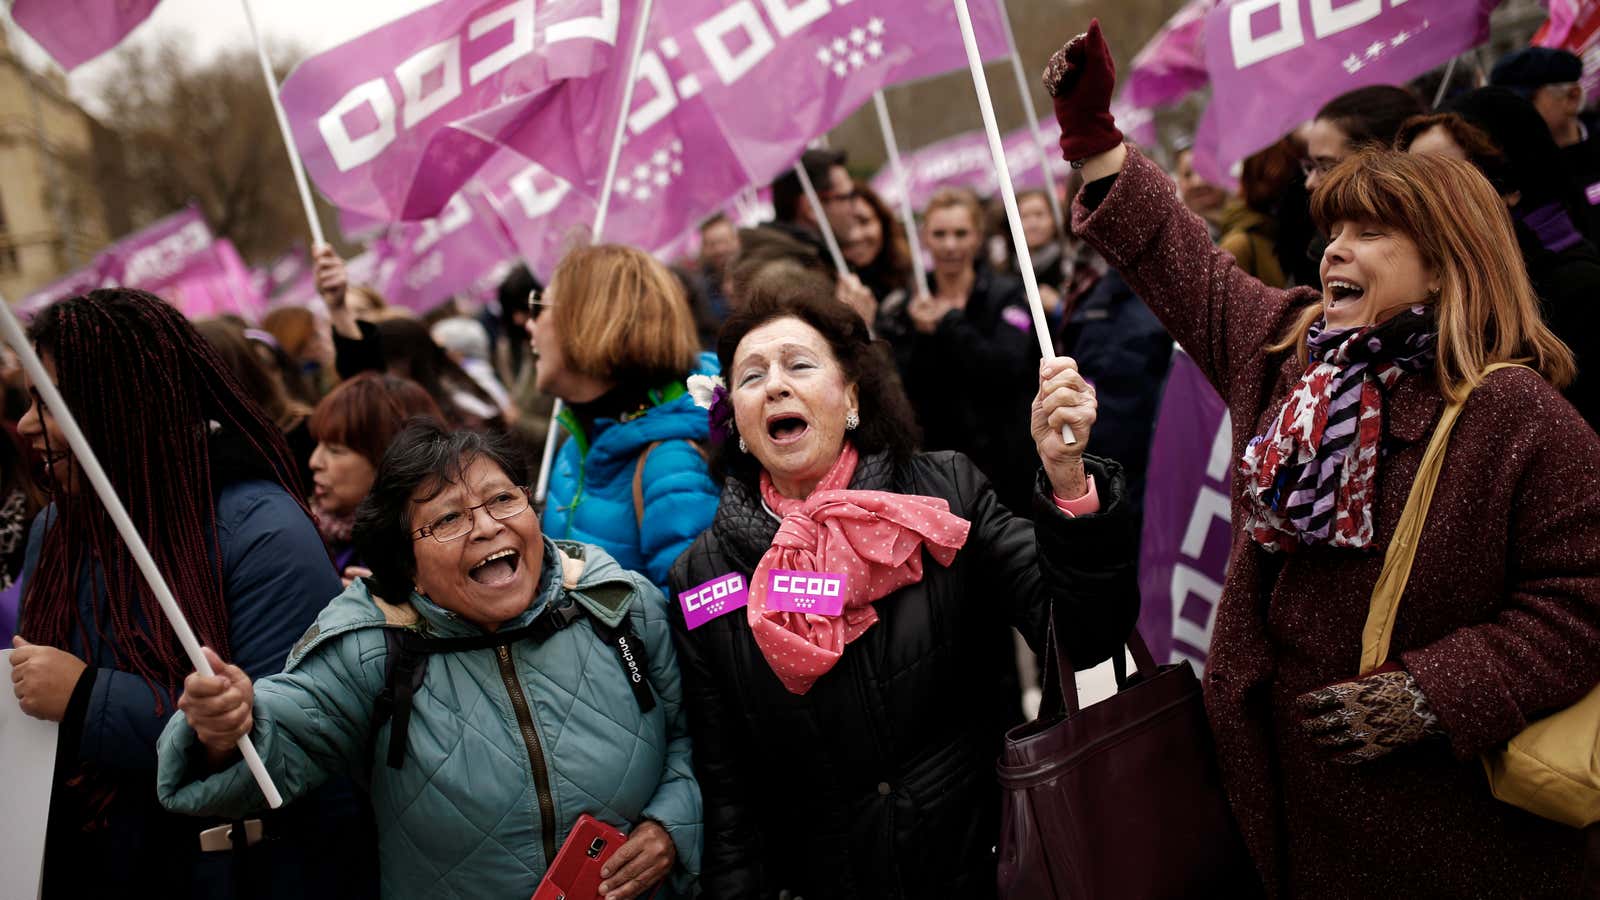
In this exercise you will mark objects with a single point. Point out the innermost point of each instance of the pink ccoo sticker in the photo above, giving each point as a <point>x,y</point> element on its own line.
<point>818,593</point>
<point>717,597</point>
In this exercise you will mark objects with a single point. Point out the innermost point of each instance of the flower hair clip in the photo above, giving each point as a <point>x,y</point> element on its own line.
<point>710,393</point>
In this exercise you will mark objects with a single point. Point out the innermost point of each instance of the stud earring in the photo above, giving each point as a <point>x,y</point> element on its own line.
<point>742,447</point>
<point>851,421</point>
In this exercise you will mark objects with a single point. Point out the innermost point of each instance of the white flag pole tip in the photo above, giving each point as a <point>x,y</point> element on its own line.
<point>11,332</point>
<point>317,239</point>
<point>822,219</point>
<point>886,125</point>
<point>1041,327</point>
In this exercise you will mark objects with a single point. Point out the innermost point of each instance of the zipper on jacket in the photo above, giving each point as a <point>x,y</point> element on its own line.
<point>530,737</point>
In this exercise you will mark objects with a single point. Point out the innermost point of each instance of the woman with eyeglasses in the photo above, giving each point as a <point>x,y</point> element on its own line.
<point>487,686</point>
<point>614,339</point>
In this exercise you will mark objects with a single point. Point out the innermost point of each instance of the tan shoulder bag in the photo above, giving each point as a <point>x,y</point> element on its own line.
<point>1552,768</point>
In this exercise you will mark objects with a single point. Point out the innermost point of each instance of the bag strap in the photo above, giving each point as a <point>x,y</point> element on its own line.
<point>1059,683</point>
<point>1402,550</point>
<point>638,477</point>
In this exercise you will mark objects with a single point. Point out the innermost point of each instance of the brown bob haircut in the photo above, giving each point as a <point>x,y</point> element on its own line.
<point>1486,309</point>
<point>293,326</point>
<point>621,316</point>
<point>368,411</point>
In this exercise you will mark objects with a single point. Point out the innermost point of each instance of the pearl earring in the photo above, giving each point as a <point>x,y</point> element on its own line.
<point>742,447</point>
<point>851,421</point>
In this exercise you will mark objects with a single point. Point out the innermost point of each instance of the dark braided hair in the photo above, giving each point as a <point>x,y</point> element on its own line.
<point>157,405</point>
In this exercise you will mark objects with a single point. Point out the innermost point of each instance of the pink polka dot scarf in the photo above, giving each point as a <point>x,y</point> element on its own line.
<point>873,537</point>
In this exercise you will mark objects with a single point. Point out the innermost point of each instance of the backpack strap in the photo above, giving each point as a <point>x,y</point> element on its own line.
<point>638,476</point>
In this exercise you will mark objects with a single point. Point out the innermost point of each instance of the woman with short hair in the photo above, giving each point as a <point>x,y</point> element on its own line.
<point>540,685</point>
<point>614,339</point>
<point>1363,786</point>
<point>885,712</point>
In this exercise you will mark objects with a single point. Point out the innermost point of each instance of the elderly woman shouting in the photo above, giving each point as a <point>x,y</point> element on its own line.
<point>1347,785</point>
<point>486,711</point>
<point>850,752</point>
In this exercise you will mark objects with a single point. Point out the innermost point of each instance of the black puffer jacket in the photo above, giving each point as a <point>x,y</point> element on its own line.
<point>879,783</point>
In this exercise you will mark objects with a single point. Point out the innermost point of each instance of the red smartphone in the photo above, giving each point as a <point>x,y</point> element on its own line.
<point>575,874</point>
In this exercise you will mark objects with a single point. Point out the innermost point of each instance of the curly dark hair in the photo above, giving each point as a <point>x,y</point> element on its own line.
<point>425,453</point>
<point>887,420</point>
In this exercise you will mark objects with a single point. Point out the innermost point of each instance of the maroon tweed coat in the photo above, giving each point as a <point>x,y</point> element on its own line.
<point>1500,622</point>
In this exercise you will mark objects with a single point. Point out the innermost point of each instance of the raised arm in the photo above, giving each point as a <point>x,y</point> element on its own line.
<point>1130,212</point>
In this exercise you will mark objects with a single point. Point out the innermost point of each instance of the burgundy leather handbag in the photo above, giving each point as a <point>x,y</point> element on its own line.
<point>1119,800</point>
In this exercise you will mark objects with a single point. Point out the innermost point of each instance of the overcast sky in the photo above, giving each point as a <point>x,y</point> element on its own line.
<point>213,25</point>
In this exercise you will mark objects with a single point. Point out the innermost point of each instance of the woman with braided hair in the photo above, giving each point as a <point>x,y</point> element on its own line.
<point>212,487</point>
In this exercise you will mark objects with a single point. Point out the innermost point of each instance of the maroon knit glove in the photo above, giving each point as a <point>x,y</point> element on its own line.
<point>1081,77</point>
<point>1365,718</point>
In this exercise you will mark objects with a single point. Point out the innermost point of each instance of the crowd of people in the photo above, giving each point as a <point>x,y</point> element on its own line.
<point>442,671</point>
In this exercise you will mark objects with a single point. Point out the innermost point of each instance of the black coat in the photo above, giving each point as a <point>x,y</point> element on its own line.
<point>973,380</point>
<point>879,782</point>
<point>1568,285</point>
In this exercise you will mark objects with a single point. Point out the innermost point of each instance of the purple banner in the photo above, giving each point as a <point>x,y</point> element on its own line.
<point>1274,62</point>
<point>1173,64</point>
<point>729,94</point>
<point>965,161</point>
<point>422,264</point>
<point>176,258</point>
<point>76,31</point>
<point>393,123</point>
<point>1184,550</point>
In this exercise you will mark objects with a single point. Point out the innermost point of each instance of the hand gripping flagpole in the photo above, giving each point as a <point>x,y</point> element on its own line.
<point>907,214</point>
<point>822,218</point>
<point>547,460</point>
<point>1041,327</point>
<point>11,333</point>
<point>1033,122</point>
<point>317,239</point>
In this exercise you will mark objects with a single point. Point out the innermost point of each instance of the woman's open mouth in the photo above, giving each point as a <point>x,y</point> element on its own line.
<point>497,569</point>
<point>786,429</point>
<point>1341,293</point>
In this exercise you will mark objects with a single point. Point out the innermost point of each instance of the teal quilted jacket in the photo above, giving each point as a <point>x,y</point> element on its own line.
<point>464,817</point>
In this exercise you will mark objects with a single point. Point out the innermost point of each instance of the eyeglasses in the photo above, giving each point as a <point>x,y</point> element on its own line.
<point>458,522</point>
<point>537,304</point>
<point>846,196</point>
<point>1311,167</point>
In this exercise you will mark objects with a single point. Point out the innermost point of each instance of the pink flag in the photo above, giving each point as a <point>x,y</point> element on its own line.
<point>393,123</point>
<point>964,161</point>
<point>728,95</point>
<point>76,31</point>
<point>1274,62</point>
<point>463,250</point>
<point>1173,64</point>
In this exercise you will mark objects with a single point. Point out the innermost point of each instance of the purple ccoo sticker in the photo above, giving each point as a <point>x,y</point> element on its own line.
<point>717,597</point>
<point>818,593</point>
<point>1592,193</point>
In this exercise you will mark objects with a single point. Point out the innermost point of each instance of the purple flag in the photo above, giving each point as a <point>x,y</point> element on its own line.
<point>1184,551</point>
<point>76,31</point>
<point>393,123</point>
<point>1274,62</point>
<point>1172,65</point>
<point>965,161</point>
<point>728,95</point>
<point>80,282</point>
<point>422,264</point>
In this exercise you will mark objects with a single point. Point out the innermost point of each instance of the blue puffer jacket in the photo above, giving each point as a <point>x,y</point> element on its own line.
<point>591,484</point>
<point>466,815</point>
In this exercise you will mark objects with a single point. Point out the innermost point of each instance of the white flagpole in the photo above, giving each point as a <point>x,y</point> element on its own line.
<point>11,332</point>
<point>317,239</point>
<point>907,214</point>
<point>1033,123</point>
<point>1041,327</point>
<point>822,219</point>
<point>622,121</point>
<point>547,460</point>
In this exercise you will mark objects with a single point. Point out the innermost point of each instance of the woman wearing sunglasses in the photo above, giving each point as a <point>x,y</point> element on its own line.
<point>614,339</point>
<point>540,684</point>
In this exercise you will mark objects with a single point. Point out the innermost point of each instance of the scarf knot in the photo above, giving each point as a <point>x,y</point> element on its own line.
<point>873,538</point>
<point>1312,477</point>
